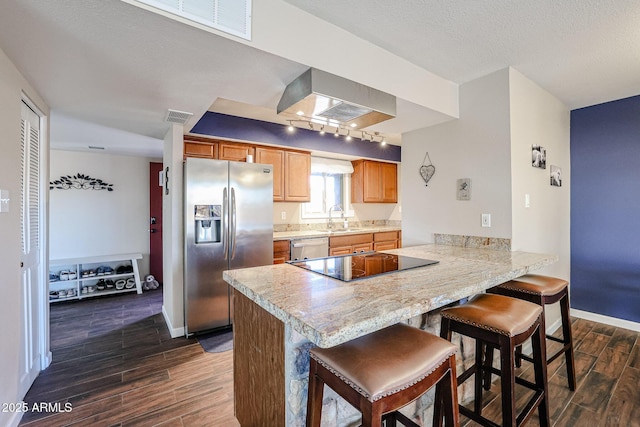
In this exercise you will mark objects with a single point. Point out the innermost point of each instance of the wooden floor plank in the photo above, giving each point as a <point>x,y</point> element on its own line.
<point>115,362</point>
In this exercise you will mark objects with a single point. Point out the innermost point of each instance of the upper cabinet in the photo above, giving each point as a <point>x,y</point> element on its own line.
<point>291,169</point>
<point>374,182</point>
<point>297,173</point>
<point>275,157</point>
<point>234,152</point>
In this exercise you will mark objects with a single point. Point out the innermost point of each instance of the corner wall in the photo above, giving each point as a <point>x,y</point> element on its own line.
<point>476,146</point>
<point>94,223</point>
<point>605,207</point>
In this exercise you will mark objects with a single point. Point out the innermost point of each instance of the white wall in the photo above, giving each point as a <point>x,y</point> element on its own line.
<point>94,223</point>
<point>541,119</point>
<point>475,146</point>
<point>12,86</point>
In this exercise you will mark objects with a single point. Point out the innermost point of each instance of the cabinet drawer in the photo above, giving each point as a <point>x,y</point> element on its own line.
<point>363,247</point>
<point>385,236</point>
<point>340,250</point>
<point>385,246</point>
<point>350,240</point>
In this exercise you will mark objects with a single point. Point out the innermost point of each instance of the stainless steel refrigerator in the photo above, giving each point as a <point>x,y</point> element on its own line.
<point>228,224</point>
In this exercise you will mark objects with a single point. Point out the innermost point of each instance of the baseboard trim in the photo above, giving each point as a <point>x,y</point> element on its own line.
<point>174,332</point>
<point>612,321</point>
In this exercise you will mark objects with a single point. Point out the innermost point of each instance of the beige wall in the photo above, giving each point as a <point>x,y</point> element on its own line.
<point>476,146</point>
<point>12,87</point>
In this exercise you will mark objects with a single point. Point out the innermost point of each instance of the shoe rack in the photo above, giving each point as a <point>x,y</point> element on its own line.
<point>78,278</point>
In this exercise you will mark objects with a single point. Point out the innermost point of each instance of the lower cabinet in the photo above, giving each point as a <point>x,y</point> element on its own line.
<point>77,278</point>
<point>357,243</point>
<point>281,251</point>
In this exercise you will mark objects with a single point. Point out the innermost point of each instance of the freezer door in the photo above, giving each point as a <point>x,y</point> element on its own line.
<point>251,214</point>
<point>206,233</point>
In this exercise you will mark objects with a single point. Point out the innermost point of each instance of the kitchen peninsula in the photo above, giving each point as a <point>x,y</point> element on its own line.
<point>281,311</point>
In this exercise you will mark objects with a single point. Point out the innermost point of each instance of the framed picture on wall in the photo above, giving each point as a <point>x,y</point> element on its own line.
<point>538,157</point>
<point>556,176</point>
<point>463,186</point>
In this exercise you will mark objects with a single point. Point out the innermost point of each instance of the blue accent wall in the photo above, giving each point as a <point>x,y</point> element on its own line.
<point>605,209</point>
<point>225,126</point>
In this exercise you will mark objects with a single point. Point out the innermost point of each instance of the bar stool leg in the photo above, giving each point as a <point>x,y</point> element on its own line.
<point>507,381</point>
<point>540,366</point>
<point>478,378</point>
<point>568,341</point>
<point>314,399</point>
<point>441,393</point>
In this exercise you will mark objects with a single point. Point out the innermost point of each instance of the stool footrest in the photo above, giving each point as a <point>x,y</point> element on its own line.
<point>400,417</point>
<point>521,381</point>
<point>477,418</point>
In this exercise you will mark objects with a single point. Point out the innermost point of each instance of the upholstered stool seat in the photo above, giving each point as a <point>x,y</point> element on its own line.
<point>500,322</point>
<point>543,290</point>
<point>381,372</point>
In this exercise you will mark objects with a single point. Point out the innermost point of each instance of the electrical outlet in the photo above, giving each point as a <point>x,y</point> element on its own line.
<point>283,215</point>
<point>486,220</point>
<point>527,201</point>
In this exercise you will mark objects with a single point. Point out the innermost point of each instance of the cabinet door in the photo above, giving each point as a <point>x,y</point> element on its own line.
<point>273,157</point>
<point>204,150</point>
<point>389,182</point>
<point>372,182</point>
<point>235,152</point>
<point>363,247</point>
<point>341,250</point>
<point>383,246</point>
<point>296,177</point>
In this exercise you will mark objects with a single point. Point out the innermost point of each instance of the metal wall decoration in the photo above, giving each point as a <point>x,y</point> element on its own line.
<point>427,171</point>
<point>79,182</point>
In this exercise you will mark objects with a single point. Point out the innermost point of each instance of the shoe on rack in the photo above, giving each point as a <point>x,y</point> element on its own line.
<point>109,284</point>
<point>53,277</point>
<point>120,284</point>
<point>91,288</point>
<point>85,290</point>
<point>107,270</point>
<point>53,295</point>
<point>100,285</point>
<point>71,292</point>
<point>62,294</point>
<point>72,275</point>
<point>131,282</point>
<point>64,275</point>
<point>100,271</point>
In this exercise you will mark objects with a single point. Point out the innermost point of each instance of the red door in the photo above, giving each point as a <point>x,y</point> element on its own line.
<point>155,221</point>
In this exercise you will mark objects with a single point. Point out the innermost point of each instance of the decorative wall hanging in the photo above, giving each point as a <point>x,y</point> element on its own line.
<point>427,171</point>
<point>464,189</point>
<point>79,182</point>
<point>538,157</point>
<point>556,176</point>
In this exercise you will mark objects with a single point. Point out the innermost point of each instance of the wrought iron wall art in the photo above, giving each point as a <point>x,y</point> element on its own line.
<point>427,171</point>
<point>79,182</point>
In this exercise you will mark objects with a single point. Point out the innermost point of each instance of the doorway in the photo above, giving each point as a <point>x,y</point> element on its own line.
<point>155,220</point>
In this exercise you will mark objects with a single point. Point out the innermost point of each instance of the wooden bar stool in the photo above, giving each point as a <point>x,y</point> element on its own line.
<point>503,323</point>
<point>544,290</point>
<point>381,372</point>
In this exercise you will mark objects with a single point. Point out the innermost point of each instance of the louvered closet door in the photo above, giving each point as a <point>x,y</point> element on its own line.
<point>30,232</point>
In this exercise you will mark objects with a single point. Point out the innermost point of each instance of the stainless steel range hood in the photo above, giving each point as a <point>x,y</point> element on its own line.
<point>320,96</point>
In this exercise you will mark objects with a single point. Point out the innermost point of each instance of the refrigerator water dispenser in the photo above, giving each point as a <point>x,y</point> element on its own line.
<point>207,219</point>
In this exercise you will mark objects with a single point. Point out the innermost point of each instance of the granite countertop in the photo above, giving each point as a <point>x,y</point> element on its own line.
<point>289,235</point>
<point>329,312</point>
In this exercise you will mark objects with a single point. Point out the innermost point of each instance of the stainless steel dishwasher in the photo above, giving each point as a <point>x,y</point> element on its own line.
<point>316,247</point>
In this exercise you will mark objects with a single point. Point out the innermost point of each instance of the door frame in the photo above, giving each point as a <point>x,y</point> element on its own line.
<point>42,328</point>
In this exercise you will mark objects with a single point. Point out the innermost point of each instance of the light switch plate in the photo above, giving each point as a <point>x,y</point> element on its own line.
<point>486,220</point>
<point>4,201</point>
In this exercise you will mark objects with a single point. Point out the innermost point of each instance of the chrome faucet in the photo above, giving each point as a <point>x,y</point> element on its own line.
<point>331,209</point>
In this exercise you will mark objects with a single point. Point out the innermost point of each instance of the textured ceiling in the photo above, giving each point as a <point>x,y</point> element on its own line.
<point>582,51</point>
<point>119,66</point>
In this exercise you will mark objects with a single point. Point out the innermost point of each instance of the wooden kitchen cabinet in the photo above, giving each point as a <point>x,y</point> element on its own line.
<point>386,240</point>
<point>201,149</point>
<point>235,152</point>
<point>374,182</point>
<point>346,245</point>
<point>297,172</point>
<point>274,157</point>
<point>281,251</point>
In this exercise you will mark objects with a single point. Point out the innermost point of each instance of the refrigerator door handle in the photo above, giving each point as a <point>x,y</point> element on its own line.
<point>225,222</point>
<point>233,222</point>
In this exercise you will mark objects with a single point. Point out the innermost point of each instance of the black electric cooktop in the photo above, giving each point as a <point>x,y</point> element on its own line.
<point>361,266</point>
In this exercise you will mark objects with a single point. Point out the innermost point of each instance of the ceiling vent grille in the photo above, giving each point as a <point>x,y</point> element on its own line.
<point>231,16</point>
<point>174,116</point>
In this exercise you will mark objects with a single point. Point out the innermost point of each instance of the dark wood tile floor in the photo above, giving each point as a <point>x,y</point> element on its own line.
<point>115,363</point>
<point>608,375</point>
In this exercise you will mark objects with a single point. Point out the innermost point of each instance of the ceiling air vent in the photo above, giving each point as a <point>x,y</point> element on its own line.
<point>174,116</point>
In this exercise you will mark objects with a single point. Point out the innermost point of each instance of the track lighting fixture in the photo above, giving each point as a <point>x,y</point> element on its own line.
<point>363,134</point>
